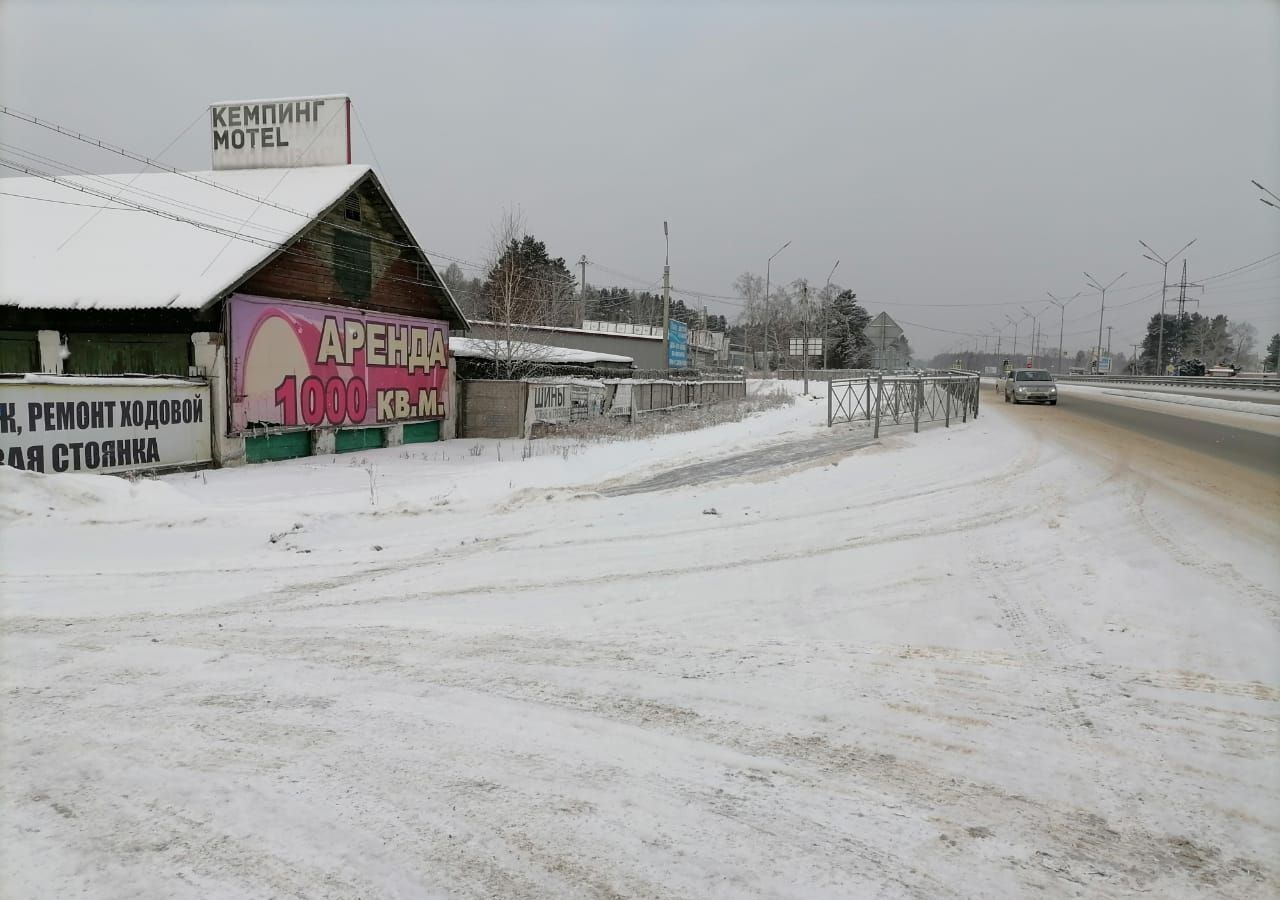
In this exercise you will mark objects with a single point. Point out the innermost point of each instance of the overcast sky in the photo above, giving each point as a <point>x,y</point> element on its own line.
<point>948,154</point>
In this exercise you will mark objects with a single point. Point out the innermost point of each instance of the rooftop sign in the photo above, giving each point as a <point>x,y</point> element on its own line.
<point>279,134</point>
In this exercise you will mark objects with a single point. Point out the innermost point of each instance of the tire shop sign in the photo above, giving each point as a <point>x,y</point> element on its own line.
<point>311,365</point>
<point>81,424</point>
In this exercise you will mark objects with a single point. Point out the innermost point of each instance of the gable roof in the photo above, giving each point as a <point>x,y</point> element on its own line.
<point>65,246</point>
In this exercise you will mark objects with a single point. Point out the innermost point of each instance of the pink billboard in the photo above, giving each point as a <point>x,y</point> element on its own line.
<point>311,365</point>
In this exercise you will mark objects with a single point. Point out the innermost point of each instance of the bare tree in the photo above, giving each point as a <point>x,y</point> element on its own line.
<point>1245,338</point>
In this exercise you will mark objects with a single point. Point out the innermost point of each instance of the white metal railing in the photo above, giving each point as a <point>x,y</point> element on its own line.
<point>1236,382</point>
<point>897,399</point>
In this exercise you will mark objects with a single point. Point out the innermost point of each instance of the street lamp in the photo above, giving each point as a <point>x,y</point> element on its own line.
<point>1102,310</point>
<point>1014,323</point>
<point>768,268</point>
<point>1035,329</point>
<point>1164,289</point>
<point>999,333</point>
<point>1264,199</point>
<point>826,300</point>
<point>1061,303</point>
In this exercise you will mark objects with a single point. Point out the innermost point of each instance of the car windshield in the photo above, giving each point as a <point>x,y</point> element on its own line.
<point>1034,376</point>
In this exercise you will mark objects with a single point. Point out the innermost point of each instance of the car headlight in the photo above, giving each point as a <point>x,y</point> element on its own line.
<point>1021,389</point>
<point>1052,389</point>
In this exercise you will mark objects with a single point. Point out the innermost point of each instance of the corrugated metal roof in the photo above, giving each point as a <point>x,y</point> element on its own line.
<point>62,248</point>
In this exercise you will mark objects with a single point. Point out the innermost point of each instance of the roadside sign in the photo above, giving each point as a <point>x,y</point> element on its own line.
<point>677,345</point>
<point>1104,365</point>
<point>797,345</point>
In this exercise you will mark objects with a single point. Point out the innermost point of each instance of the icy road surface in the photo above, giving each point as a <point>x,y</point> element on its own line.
<point>1002,660</point>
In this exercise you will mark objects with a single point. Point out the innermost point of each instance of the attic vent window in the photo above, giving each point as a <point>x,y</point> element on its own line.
<point>352,211</point>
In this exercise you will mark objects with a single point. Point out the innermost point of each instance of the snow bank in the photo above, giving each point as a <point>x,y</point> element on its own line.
<point>106,498</point>
<point>1244,406</point>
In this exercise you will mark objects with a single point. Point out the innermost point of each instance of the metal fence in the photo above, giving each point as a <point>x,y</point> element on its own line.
<point>898,399</point>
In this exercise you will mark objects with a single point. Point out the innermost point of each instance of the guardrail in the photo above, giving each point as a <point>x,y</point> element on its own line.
<point>1235,383</point>
<point>897,399</point>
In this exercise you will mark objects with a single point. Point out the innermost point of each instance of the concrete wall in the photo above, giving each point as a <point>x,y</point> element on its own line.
<point>646,351</point>
<point>210,357</point>
<point>492,409</point>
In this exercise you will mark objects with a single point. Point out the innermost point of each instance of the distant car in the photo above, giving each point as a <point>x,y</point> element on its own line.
<point>1222,371</point>
<point>1030,386</point>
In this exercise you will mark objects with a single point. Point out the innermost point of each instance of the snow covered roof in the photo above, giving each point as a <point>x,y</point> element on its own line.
<point>653,336</point>
<point>61,248</point>
<point>485,348</point>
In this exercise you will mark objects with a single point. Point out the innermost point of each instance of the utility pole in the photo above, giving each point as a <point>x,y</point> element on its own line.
<point>666,298</point>
<point>826,302</point>
<point>1182,303</point>
<point>582,286</point>
<point>768,270</point>
<point>1102,311</point>
<point>804,348</point>
<point>1133,360</point>
<point>1109,340</point>
<point>1164,289</point>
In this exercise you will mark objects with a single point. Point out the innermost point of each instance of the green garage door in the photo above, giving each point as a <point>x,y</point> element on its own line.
<point>118,354</point>
<point>270,447</point>
<point>422,432</point>
<point>19,351</point>
<point>351,439</point>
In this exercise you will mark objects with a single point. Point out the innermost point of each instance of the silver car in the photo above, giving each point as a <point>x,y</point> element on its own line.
<point>1030,385</point>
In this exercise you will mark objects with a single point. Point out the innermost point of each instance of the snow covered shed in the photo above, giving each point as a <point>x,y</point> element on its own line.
<point>299,294</point>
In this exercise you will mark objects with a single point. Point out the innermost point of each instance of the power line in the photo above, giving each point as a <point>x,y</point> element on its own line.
<point>97,206</point>
<point>153,163</point>
<point>279,246</point>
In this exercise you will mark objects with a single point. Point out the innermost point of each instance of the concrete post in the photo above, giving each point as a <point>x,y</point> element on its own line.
<point>879,395</point>
<point>919,392</point>
<point>210,357</point>
<point>453,406</point>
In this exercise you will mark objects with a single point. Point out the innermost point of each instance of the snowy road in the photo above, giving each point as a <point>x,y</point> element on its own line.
<point>979,661</point>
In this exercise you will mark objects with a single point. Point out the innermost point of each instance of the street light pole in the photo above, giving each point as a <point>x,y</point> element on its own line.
<point>1164,289</point>
<point>1264,199</point>
<point>1102,311</point>
<point>1035,324</point>
<point>768,269</point>
<point>826,300</point>
<point>1061,303</point>
<point>1013,322</point>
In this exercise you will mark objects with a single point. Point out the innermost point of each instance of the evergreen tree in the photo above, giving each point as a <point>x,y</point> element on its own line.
<point>1272,361</point>
<point>527,285</point>
<point>847,334</point>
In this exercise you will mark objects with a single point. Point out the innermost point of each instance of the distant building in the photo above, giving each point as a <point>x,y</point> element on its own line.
<point>886,341</point>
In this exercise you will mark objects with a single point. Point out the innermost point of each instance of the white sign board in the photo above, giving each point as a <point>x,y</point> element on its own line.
<point>561,404</point>
<point>798,344</point>
<point>53,424</point>
<point>281,134</point>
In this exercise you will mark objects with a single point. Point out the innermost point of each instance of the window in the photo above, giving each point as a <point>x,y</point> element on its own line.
<point>352,211</point>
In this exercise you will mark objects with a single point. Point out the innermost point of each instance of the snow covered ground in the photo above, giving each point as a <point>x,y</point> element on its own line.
<point>764,659</point>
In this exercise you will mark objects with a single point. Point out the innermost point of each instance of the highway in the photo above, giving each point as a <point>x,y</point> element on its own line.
<point>1245,440</point>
